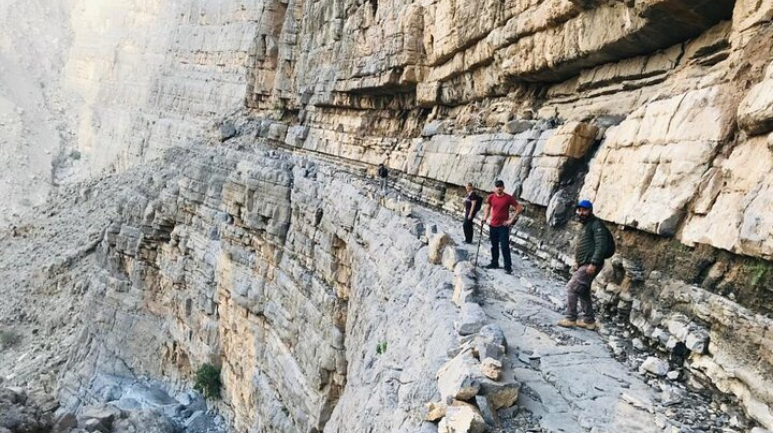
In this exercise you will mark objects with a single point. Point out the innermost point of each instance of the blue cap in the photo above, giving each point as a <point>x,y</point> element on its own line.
<point>585,204</point>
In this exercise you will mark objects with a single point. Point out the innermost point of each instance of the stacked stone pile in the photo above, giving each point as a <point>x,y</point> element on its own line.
<point>478,379</point>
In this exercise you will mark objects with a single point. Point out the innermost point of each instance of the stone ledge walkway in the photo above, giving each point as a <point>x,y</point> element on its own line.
<point>571,381</point>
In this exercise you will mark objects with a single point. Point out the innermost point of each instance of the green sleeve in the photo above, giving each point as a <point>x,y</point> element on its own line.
<point>600,243</point>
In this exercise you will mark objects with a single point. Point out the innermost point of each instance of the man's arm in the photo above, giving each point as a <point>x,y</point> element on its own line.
<point>600,243</point>
<point>518,209</point>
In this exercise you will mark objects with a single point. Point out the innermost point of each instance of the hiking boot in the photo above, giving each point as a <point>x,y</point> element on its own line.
<point>509,271</point>
<point>589,326</point>
<point>566,323</point>
<point>492,266</point>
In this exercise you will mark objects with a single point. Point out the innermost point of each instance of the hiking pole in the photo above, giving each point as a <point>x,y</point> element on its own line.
<point>480,236</point>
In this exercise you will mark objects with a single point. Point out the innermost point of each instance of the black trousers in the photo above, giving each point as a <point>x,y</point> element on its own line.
<point>500,238</point>
<point>469,230</point>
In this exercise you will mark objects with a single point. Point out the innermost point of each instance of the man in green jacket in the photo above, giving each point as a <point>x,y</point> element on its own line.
<point>591,250</point>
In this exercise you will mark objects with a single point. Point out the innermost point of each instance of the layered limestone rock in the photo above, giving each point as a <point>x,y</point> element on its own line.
<point>452,52</point>
<point>662,121</point>
<point>88,88</point>
<point>326,62</point>
<point>733,206</point>
<point>155,75</point>
<point>286,273</point>
<point>187,63</point>
<point>670,143</point>
<point>733,351</point>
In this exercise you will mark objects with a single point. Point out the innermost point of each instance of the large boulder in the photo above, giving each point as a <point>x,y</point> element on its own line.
<point>471,319</point>
<point>460,377</point>
<point>654,365</point>
<point>437,243</point>
<point>462,419</point>
<point>491,368</point>
<point>501,393</point>
<point>465,283</point>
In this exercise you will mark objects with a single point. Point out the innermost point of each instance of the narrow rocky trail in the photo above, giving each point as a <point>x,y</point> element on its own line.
<point>571,380</point>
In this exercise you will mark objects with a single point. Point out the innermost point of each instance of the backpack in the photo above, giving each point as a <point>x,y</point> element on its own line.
<point>610,250</point>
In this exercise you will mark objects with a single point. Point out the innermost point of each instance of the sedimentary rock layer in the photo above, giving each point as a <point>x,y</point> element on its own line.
<point>285,273</point>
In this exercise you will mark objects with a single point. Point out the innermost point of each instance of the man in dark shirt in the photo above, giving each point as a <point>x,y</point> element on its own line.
<point>472,204</point>
<point>383,174</point>
<point>590,252</point>
<point>499,205</point>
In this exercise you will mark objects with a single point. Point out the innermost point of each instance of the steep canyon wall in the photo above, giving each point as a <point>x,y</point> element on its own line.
<point>285,273</point>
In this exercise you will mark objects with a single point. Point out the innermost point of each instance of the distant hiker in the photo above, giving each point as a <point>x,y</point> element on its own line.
<point>499,205</point>
<point>383,173</point>
<point>594,245</point>
<point>472,204</point>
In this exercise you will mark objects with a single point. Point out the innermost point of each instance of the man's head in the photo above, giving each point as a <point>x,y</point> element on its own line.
<point>584,210</point>
<point>499,187</point>
<point>469,187</point>
<point>381,165</point>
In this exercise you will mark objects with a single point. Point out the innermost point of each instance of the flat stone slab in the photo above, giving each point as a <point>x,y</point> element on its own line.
<point>471,319</point>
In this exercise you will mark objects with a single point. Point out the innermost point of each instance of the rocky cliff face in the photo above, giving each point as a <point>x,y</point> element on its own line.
<point>655,110</point>
<point>89,88</point>
<point>668,113</point>
<point>282,270</point>
<point>287,274</point>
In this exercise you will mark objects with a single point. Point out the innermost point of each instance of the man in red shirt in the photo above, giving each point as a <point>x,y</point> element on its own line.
<point>499,205</point>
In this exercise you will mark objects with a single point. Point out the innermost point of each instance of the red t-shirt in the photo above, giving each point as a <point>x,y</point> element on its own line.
<point>500,208</point>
